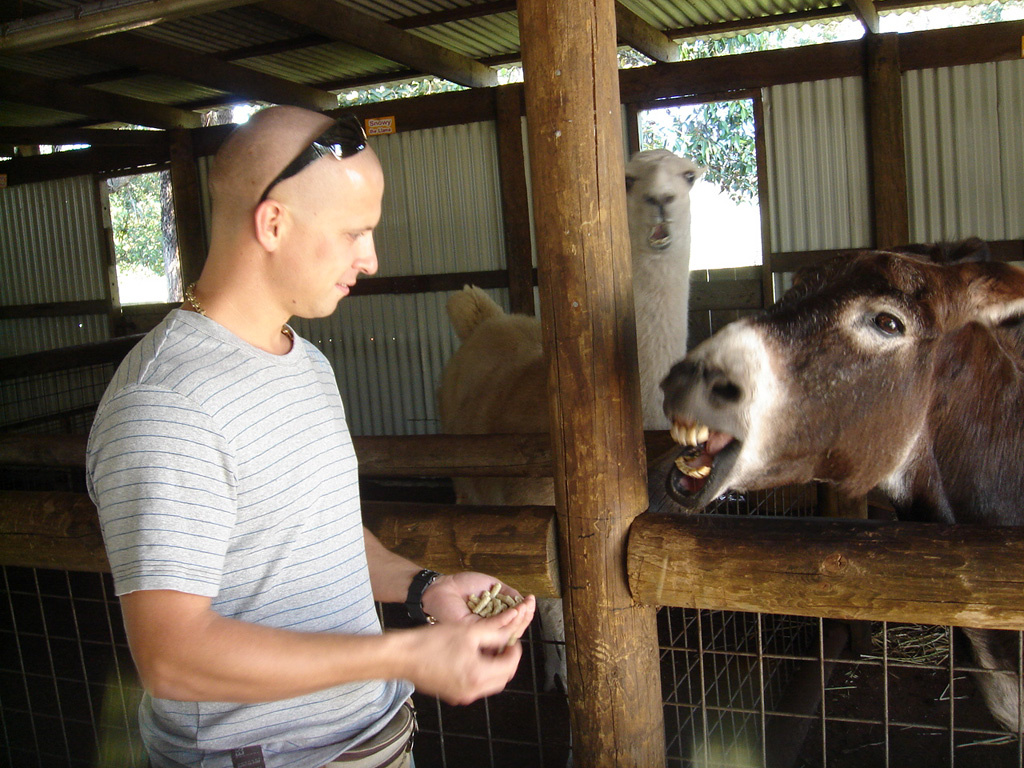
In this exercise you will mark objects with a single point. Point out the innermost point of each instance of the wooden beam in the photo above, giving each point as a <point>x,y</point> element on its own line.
<point>433,111</point>
<point>65,165</point>
<point>887,152</point>
<point>449,15</point>
<point>454,455</point>
<point>575,143</point>
<point>516,544</point>
<point>448,281</point>
<point>649,40</point>
<point>791,261</point>
<point>101,105</point>
<point>515,202</point>
<point>926,573</point>
<point>518,455</point>
<point>55,309</point>
<point>94,137</point>
<point>744,71</point>
<point>962,45</point>
<point>61,530</point>
<point>188,207</point>
<point>51,530</point>
<point>88,20</point>
<point>867,13</point>
<point>52,360</point>
<point>237,81</point>
<point>356,28</point>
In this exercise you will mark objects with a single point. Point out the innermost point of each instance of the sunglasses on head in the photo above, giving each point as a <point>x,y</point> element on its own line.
<point>344,138</point>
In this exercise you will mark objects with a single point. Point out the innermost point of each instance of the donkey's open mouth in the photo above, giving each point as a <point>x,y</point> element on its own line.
<point>702,465</point>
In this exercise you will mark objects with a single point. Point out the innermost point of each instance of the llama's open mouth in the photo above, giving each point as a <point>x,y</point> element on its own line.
<point>660,237</point>
<point>702,466</point>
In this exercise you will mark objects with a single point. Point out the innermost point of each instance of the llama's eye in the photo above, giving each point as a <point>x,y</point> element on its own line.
<point>889,324</point>
<point>690,177</point>
<point>630,181</point>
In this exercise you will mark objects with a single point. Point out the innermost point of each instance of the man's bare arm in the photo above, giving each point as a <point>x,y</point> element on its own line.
<point>186,651</point>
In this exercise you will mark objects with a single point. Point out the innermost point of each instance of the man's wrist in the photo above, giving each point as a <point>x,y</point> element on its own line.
<point>414,599</point>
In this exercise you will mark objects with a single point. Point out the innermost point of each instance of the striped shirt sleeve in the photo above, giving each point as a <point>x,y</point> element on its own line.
<point>163,481</point>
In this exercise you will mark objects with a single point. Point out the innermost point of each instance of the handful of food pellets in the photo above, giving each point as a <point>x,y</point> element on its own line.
<point>491,602</point>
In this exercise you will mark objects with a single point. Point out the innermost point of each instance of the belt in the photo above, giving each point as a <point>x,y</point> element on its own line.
<point>388,747</point>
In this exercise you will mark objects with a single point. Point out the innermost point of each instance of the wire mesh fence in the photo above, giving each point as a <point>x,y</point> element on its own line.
<point>68,690</point>
<point>57,402</point>
<point>739,690</point>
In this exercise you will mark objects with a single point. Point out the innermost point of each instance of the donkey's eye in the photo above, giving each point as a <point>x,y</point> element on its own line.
<point>889,324</point>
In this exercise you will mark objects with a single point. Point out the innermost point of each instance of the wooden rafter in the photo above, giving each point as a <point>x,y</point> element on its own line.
<point>649,40</point>
<point>363,31</point>
<point>90,20</point>
<point>156,56</point>
<point>94,103</point>
<point>867,13</point>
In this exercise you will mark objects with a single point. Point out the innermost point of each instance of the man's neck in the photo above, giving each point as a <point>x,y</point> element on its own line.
<point>263,330</point>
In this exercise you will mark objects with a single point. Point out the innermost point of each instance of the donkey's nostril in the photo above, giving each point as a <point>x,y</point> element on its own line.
<point>721,387</point>
<point>726,390</point>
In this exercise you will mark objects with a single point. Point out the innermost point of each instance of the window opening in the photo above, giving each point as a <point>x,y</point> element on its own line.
<point>719,135</point>
<point>145,239</point>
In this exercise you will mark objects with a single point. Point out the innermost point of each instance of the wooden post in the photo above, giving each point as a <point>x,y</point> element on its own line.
<point>575,140</point>
<point>515,204</point>
<point>885,139</point>
<point>188,209</point>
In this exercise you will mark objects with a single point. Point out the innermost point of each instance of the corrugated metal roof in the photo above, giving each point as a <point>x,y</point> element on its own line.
<point>328,62</point>
<point>252,35</point>
<point>477,38</point>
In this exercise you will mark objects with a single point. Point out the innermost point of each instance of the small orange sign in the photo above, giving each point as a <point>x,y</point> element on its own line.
<point>3,180</point>
<point>380,126</point>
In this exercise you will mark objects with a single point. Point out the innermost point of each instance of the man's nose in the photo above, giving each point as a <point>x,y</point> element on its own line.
<point>368,259</point>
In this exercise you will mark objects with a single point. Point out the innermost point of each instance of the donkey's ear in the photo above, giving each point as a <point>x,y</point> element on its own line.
<point>971,249</point>
<point>994,291</point>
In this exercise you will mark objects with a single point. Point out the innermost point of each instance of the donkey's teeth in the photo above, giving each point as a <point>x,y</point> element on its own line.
<point>686,469</point>
<point>689,434</point>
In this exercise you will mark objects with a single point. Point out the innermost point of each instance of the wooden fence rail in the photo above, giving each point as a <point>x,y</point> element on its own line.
<point>60,530</point>
<point>843,569</point>
<point>383,456</point>
<point>927,573</point>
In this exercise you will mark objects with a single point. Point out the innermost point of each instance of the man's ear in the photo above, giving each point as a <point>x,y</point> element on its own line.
<point>270,220</point>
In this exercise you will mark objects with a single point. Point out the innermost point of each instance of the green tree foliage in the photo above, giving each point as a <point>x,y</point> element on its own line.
<point>135,218</point>
<point>718,135</point>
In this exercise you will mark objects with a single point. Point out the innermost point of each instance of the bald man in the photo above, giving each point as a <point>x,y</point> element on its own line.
<point>224,475</point>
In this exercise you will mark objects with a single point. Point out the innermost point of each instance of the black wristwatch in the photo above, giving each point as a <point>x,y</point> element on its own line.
<point>414,600</point>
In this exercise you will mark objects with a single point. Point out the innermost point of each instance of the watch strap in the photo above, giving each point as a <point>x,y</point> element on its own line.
<point>414,600</point>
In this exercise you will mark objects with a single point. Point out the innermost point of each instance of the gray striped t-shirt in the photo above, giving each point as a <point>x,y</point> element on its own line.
<point>224,471</point>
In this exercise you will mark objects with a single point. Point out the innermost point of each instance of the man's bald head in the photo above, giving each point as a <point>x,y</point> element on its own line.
<point>254,154</point>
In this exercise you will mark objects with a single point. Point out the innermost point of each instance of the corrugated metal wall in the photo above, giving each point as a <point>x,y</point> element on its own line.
<point>965,151</point>
<point>442,213</point>
<point>817,165</point>
<point>442,201</point>
<point>964,129</point>
<point>51,250</point>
